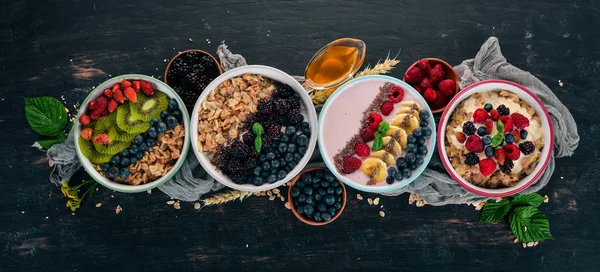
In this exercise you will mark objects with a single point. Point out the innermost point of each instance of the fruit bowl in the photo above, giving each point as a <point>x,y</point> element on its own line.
<point>524,173</point>
<point>336,190</point>
<point>349,149</point>
<point>247,105</point>
<point>435,98</point>
<point>121,142</point>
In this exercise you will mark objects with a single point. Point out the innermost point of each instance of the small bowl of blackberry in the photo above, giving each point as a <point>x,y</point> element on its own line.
<point>189,72</point>
<point>316,197</point>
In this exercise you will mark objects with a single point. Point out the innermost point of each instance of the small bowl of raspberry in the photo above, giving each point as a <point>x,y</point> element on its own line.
<point>435,80</point>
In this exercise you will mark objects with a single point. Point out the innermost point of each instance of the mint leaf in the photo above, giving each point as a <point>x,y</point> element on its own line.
<point>377,144</point>
<point>258,143</point>
<point>383,127</point>
<point>497,140</point>
<point>47,143</point>
<point>528,199</point>
<point>500,127</point>
<point>529,224</point>
<point>377,134</point>
<point>493,211</point>
<point>45,115</point>
<point>257,129</point>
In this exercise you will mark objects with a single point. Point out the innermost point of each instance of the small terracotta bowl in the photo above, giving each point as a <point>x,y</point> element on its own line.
<point>301,217</point>
<point>449,74</point>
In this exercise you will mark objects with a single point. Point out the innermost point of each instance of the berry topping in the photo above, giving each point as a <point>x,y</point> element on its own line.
<point>137,86</point>
<point>447,87</point>
<point>520,121</point>
<point>481,131</point>
<point>503,110</point>
<point>487,139</point>
<point>85,119</point>
<point>509,138</point>
<point>440,102</point>
<point>489,151</point>
<point>527,147</point>
<point>350,164</point>
<point>468,128</point>
<point>108,93</point>
<point>116,87</point>
<point>87,133</point>
<point>413,75</point>
<point>474,144</point>
<point>367,134</point>
<point>425,84</point>
<point>424,66</point>
<point>362,149</point>
<point>487,166</point>
<point>507,166</point>
<point>396,94</point>
<point>500,155</point>
<point>436,74</point>
<point>460,137</point>
<point>130,94</point>
<point>118,95</point>
<point>430,95</point>
<point>517,135</point>
<point>523,134</point>
<point>386,108</point>
<point>101,104</point>
<point>471,159</point>
<point>489,126</point>
<point>488,107</point>
<point>125,84</point>
<point>508,124</point>
<point>495,115</point>
<point>112,105</point>
<point>374,120</point>
<point>147,87</point>
<point>95,115</point>
<point>512,152</point>
<point>101,139</point>
<point>480,115</point>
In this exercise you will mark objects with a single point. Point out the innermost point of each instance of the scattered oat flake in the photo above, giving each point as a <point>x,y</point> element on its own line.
<point>358,258</point>
<point>560,83</point>
<point>98,205</point>
<point>359,197</point>
<point>276,191</point>
<point>516,240</point>
<point>376,201</point>
<point>524,245</point>
<point>381,207</point>
<point>381,213</point>
<point>196,206</point>
<point>190,39</point>
<point>282,198</point>
<point>530,244</point>
<point>525,228</point>
<point>149,192</point>
<point>271,198</point>
<point>269,193</point>
<point>23,212</point>
<point>170,202</point>
<point>287,205</point>
<point>176,205</point>
<point>370,201</point>
<point>536,243</point>
<point>118,209</point>
<point>546,199</point>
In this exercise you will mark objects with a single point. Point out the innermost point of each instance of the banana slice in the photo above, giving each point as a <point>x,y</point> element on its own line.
<point>403,136</point>
<point>410,111</point>
<point>375,168</point>
<point>384,156</point>
<point>396,149</point>
<point>406,121</point>
<point>410,104</point>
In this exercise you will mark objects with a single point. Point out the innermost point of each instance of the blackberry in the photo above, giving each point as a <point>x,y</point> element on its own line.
<point>296,119</point>
<point>471,159</point>
<point>240,150</point>
<point>503,110</point>
<point>273,131</point>
<point>248,138</point>
<point>265,108</point>
<point>468,128</point>
<point>282,106</point>
<point>507,167</point>
<point>527,147</point>
<point>239,177</point>
<point>294,102</point>
<point>284,91</point>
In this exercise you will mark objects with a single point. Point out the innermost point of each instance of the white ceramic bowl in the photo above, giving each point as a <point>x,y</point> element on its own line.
<point>87,165</point>
<point>349,102</point>
<point>274,74</point>
<point>525,95</point>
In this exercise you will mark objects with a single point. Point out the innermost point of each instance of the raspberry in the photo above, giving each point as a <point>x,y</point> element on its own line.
<point>85,119</point>
<point>367,134</point>
<point>112,105</point>
<point>508,124</point>
<point>417,88</point>
<point>517,135</point>
<point>500,156</point>
<point>512,152</point>
<point>474,144</point>
<point>92,105</point>
<point>147,87</point>
<point>101,139</point>
<point>495,115</point>
<point>413,75</point>
<point>424,66</point>
<point>105,112</point>
<point>527,147</point>
<point>489,126</point>
<point>507,167</point>
<point>108,93</point>
<point>95,115</point>
<point>125,84</point>
<point>436,75</point>
<point>136,85</point>
<point>374,120</point>
<point>118,95</point>
<point>460,137</point>
<point>396,94</point>
<point>425,84</point>
<point>101,104</point>
<point>362,149</point>
<point>441,101</point>
<point>468,128</point>
<point>471,159</point>
<point>519,121</point>
<point>447,87</point>
<point>480,115</point>
<point>430,96</point>
<point>87,133</point>
<point>487,166</point>
<point>503,110</point>
<point>130,94</point>
<point>386,108</point>
<point>350,164</point>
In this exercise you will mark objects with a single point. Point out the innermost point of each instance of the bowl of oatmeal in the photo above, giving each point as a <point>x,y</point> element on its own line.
<point>495,138</point>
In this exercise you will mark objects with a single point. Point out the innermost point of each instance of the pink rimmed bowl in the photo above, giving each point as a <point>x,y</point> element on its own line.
<point>525,95</point>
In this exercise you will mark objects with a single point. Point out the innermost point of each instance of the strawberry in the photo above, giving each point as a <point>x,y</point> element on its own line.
<point>413,75</point>
<point>112,105</point>
<point>95,115</point>
<point>116,87</point>
<point>362,149</point>
<point>92,105</point>
<point>367,134</point>
<point>101,104</point>
<point>87,133</point>
<point>125,84</point>
<point>108,93</point>
<point>136,86</point>
<point>508,124</point>
<point>519,121</point>
<point>500,156</point>
<point>489,126</point>
<point>118,95</point>
<point>487,166</point>
<point>101,139</point>
<point>479,116</point>
<point>460,137</point>
<point>374,120</point>
<point>425,84</point>
<point>130,94</point>
<point>495,115</point>
<point>430,96</point>
<point>424,66</point>
<point>386,108</point>
<point>436,75</point>
<point>350,164</point>
<point>147,87</point>
<point>517,135</point>
<point>447,87</point>
<point>474,144</point>
<point>84,119</point>
<point>512,152</point>
<point>396,94</point>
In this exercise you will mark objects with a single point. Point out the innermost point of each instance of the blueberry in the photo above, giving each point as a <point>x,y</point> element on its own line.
<point>105,167</point>
<point>302,140</point>
<point>177,115</point>
<point>287,168</point>
<point>281,174</point>
<point>308,209</point>
<point>152,133</point>
<point>317,217</point>
<point>325,217</point>
<point>125,153</point>
<point>422,150</point>
<point>262,158</point>
<point>329,176</point>
<point>321,191</point>
<point>329,199</point>
<point>418,161</point>
<point>297,157</point>
<point>337,205</point>
<point>273,170</point>
<point>283,162</point>
<point>257,171</point>
<point>115,159</point>
<point>113,172</point>
<point>150,142</point>
<point>275,164</point>
<point>398,176</point>
<point>310,200</point>
<point>406,173</point>
<point>417,132</point>
<point>392,171</point>
<point>338,198</point>
<point>325,184</point>
<point>292,164</point>
<point>299,208</point>
<point>411,148</point>
<point>266,166</point>
<point>487,139</point>
<point>154,122</point>
<point>331,211</point>
<point>301,150</point>
<point>143,147</point>
<point>295,192</point>
<point>124,173</point>
<point>133,160</point>
<point>489,151</point>
<point>317,179</point>
<point>401,163</point>
<point>302,198</point>
<point>523,134</point>
<point>305,127</point>
<point>410,158</point>
<point>423,123</point>
<point>125,162</point>
<point>330,190</point>
<point>173,104</point>
<point>424,114</point>
<point>265,174</point>
<point>411,139</point>
<point>289,157</point>
<point>284,138</point>
<point>282,148</point>
<point>290,130</point>
<point>318,197</point>
<point>308,190</point>
<point>321,207</point>
<point>138,139</point>
<point>413,166</point>
<point>488,107</point>
<point>258,181</point>
<point>426,131</point>
<point>509,138</point>
<point>389,180</point>
<point>270,156</point>
<point>139,155</point>
<point>481,131</point>
<point>291,148</point>
<point>164,114</point>
<point>421,140</point>
<point>161,127</point>
<point>338,190</point>
<point>272,178</point>
<point>171,122</point>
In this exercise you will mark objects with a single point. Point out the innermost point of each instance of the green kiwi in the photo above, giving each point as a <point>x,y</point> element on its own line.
<point>148,107</point>
<point>105,125</point>
<point>129,123</point>
<point>89,151</point>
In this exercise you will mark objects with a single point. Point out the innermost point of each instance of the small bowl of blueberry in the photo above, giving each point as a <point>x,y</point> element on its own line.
<point>317,197</point>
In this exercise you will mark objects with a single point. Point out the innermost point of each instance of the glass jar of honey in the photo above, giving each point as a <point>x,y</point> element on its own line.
<point>335,63</point>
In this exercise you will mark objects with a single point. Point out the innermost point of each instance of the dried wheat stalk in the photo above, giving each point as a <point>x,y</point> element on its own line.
<point>225,197</point>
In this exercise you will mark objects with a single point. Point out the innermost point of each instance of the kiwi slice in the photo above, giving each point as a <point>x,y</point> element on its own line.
<point>114,146</point>
<point>129,123</point>
<point>148,107</point>
<point>89,151</point>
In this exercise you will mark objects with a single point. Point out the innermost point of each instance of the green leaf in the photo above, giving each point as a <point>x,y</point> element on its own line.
<point>529,224</point>
<point>45,115</point>
<point>500,127</point>
<point>47,143</point>
<point>497,140</point>
<point>383,127</point>
<point>528,199</point>
<point>377,144</point>
<point>377,134</point>
<point>493,211</point>
<point>257,129</point>
<point>258,144</point>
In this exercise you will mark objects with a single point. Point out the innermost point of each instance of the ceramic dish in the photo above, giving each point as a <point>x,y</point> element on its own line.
<point>307,111</point>
<point>340,121</point>
<point>545,128</point>
<point>89,167</point>
<point>449,73</point>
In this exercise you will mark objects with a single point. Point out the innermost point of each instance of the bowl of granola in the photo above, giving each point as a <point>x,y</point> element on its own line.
<point>254,128</point>
<point>495,138</point>
<point>131,133</point>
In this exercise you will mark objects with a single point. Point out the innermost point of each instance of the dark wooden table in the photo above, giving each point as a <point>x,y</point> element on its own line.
<point>63,48</point>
